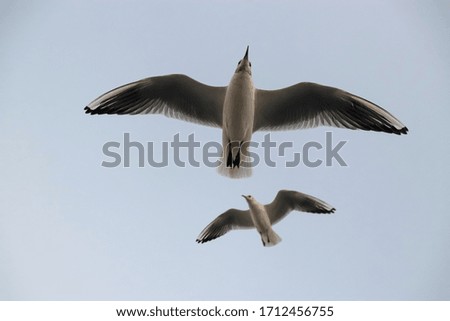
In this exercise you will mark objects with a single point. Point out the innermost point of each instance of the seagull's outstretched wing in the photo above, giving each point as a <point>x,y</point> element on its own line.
<point>176,96</point>
<point>287,201</point>
<point>307,105</point>
<point>230,220</point>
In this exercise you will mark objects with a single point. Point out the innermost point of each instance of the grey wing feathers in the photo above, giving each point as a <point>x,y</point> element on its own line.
<point>287,201</point>
<point>307,105</point>
<point>176,96</point>
<point>229,220</point>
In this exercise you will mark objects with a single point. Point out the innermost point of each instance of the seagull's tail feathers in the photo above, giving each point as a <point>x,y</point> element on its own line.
<point>236,162</point>
<point>270,238</point>
<point>234,172</point>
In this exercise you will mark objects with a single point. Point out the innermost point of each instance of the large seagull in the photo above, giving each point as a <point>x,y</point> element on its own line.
<point>240,109</point>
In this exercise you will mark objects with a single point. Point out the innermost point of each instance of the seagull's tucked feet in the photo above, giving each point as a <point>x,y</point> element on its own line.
<point>229,157</point>
<point>235,161</point>
<point>234,154</point>
<point>270,238</point>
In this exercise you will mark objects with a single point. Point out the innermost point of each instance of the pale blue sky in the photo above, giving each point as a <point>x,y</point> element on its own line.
<point>73,230</point>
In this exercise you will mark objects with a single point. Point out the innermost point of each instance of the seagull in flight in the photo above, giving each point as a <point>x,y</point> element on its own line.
<point>262,217</point>
<point>240,109</point>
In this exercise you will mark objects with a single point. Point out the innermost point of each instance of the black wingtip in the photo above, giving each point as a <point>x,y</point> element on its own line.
<point>403,130</point>
<point>392,130</point>
<point>87,110</point>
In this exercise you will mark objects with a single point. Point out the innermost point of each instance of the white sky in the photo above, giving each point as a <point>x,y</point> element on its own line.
<point>73,230</point>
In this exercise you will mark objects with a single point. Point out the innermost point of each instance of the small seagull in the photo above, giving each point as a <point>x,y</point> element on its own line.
<point>262,217</point>
<point>240,109</point>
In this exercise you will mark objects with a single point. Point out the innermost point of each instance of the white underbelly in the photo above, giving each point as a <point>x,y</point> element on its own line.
<point>238,111</point>
<point>260,219</point>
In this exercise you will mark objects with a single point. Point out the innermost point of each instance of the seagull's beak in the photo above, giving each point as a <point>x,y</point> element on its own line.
<point>244,196</point>
<point>246,54</point>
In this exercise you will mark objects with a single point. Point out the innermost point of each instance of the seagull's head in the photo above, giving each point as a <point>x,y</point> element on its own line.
<point>244,65</point>
<point>248,198</point>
